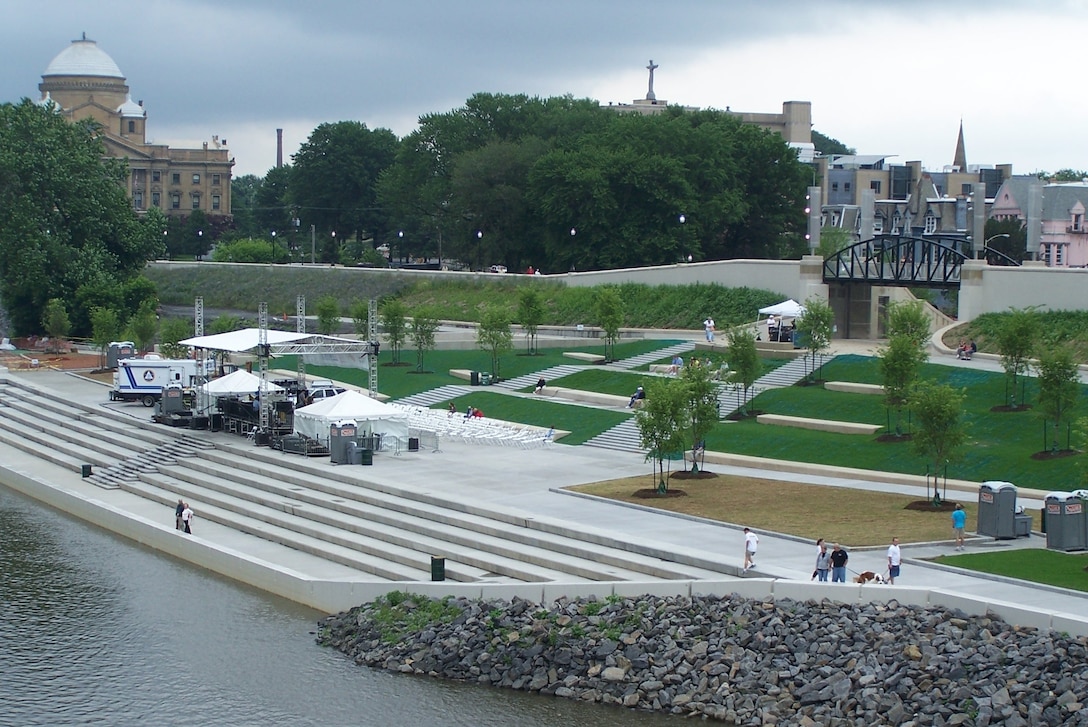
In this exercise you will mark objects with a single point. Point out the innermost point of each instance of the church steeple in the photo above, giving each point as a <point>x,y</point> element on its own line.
<point>960,159</point>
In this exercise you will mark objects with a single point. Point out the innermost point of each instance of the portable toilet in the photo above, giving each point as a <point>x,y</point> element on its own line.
<point>341,433</point>
<point>173,399</point>
<point>119,350</point>
<point>997,510</point>
<point>1065,522</point>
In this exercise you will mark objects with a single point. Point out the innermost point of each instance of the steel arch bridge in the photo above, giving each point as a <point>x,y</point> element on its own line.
<point>932,261</point>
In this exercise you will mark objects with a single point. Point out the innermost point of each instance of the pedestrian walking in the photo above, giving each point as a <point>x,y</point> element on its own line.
<point>894,559</point>
<point>187,519</point>
<point>823,563</point>
<point>708,327</point>
<point>751,544</point>
<point>959,522</point>
<point>178,524</point>
<point>839,557</point>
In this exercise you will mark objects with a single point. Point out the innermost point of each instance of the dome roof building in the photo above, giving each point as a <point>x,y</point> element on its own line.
<point>83,82</point>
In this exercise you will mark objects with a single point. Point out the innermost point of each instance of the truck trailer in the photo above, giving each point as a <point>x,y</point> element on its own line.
<point>143,379</point>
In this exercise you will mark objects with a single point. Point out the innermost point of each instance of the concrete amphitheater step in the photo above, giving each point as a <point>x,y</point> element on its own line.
<point>434,396</point>
<point>623,437</point>
<point>548,374</point>
<point>482,531</point>
<point>651,356</point>
<point>382,543</point>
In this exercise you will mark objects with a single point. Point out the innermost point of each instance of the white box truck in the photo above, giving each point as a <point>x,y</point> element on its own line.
<point>143,379</point>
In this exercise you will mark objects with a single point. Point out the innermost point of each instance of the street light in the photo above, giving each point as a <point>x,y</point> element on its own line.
<point>200,244</point>
<point>400,245</point>
<point>986,243</point>
<point>273,260</point>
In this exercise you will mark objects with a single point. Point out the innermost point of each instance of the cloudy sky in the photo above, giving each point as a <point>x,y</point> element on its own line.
<point>890,77</point>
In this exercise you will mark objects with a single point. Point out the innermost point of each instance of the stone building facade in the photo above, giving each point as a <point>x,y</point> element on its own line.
<point>82,82</point>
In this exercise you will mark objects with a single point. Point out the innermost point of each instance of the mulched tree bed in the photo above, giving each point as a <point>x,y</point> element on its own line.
<point>928,506</point>
<point>1060,454</point>
<point>689,475</point>
<point>653,494</point>
<point>895,438</point>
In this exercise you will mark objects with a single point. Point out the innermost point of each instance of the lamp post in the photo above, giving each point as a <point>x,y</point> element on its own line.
<point>479,236</point>
<point>400,245</point>
<point>200,244</point>
<point>986,243</point>
<point>273,260</point>
<point>165,246</point>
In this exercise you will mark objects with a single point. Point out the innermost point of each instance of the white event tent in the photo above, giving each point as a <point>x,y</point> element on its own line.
<point>786,309</point>
<point>370,415</point>
<point>237,382</point>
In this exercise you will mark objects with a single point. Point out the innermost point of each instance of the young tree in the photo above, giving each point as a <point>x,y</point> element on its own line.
<point>395,326</point>
<point>530,314</point>
<point>609,309</point>
<point>702,405</point>
<point>493,335</point>
<point>360,317</point>
<point>1059,387</point>
<point>171,331</point>
<point>743,360</point>
<point>328,315</point>
<point>225,324</point>
<point>424,325</point>
<point>144,326</point>
<point>105,328</point>
<point>908,318</point>
<point>816,324</point>
<point>662,423</point>
<point>1016,344</point>
<point>56,323</point>
<point>941,432</point>
<point>900,363</point>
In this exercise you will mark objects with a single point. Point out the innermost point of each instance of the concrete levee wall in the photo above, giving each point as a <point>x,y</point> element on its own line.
<point>781,276</point>
<point>993,289</point>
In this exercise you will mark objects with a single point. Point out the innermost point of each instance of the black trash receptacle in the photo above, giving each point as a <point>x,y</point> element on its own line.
<point>413,444</point>
<point>474,378</point>
<point>86,470</point>
<point>216,422</point>
<point>438,568</point>
<point>366,456</point>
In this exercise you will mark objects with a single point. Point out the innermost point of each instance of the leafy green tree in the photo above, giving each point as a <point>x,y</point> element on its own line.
<point>360,317</point>
<point>909,319</point>
<point>816,324</point>
<point>393,314</point>
<point>1059,386</point>
<point>833,239</point>
<point>250,250</point>
<point>144,327</point>
<point>243,201</point>
<point>333,182</point>
<point>66,220</point>
<point>105,328</point>
<point>826,146</point>
<point>941,433</point>
<point>1016,342</point>
<point>743,360</point>
<point>273,205</point>
<point>225,324</point>
<point>328,315</point>
<point>493,334</point>
<point>608,305</point>
<point>56,323</point>
<point>702,406</point>
<point>171,331</point>
<point>900,365</point>
<point>663,423</point>
<point>424,325</point>
<point>530,314</point>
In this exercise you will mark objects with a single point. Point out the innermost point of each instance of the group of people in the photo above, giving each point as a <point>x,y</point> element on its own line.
<point>183,517</point>
<point>833,562</point>
<point>966,350</point>
<point>473,412</point>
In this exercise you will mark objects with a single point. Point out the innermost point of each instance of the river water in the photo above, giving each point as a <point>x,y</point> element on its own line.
<point>97,630</point>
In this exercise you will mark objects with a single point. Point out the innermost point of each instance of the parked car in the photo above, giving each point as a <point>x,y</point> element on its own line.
<point>323,389</point>
<point>498,268</point>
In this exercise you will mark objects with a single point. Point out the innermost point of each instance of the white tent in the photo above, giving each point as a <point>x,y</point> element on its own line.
<point>370,415</point>
<point>237,382</point>
<point>786,309</point>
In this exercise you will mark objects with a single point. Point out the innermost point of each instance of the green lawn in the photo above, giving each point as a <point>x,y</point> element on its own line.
<point>400,381</point>
<point>603,381</point>
<point>1000,448</point>
<point>1052,567</point>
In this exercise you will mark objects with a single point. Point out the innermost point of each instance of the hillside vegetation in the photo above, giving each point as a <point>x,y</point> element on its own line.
<point>235,287</point>
<point>1055,328</point>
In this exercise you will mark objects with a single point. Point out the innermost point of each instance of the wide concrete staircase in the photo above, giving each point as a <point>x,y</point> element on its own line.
<point>332,513</point>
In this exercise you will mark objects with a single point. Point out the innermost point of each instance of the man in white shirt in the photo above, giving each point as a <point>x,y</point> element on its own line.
<point>708,326</point>
<point>894,559</point>
<point>187,519</point>
<point>751,543</point>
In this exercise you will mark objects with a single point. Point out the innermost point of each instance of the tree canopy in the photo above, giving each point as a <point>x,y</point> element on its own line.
<point>68,230</point>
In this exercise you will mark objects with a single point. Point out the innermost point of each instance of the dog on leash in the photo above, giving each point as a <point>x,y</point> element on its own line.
<point>870,577</point>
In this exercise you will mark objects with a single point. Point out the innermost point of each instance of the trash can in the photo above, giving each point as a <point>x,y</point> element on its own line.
<point>86,470</point>
<point>366,456</point>
<point>438,568</point>
<point>997,510</point>
<point>354,453</point>
<point>413,444</point>
<point>1065,522</point>
<point>474,378</point>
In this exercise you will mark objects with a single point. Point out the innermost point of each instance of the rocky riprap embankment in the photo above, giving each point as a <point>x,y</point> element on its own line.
<point>742,661</point>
